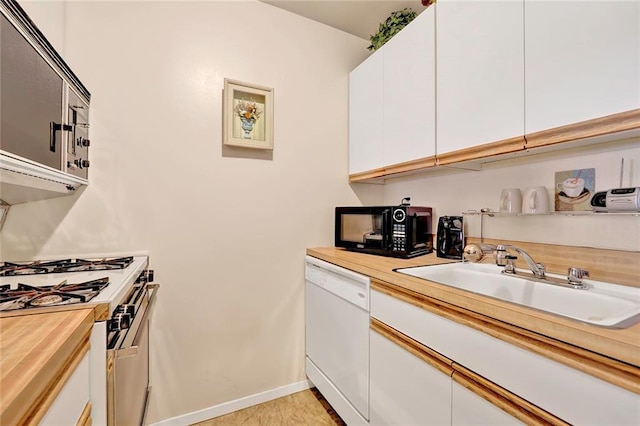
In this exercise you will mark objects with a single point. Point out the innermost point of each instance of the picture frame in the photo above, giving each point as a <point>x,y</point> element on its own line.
<point>247,115</point>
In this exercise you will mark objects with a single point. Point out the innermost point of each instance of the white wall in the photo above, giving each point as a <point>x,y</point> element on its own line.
<point>226,230</point>
<point>452,194</point>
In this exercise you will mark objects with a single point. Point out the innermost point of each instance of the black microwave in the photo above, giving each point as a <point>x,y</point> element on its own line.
<point>398,231</point>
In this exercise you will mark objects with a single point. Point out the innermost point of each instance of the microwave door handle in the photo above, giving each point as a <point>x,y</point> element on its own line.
<point>385,229</point>
<point>53,128</point>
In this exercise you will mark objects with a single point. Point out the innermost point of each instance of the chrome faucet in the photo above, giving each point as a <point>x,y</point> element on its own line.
<point>538,269</point>
<point>476,252</point>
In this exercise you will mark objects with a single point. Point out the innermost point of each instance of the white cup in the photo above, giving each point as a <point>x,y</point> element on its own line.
<point>571,187</point>
<point>535,200</point>
<point>511,200</point>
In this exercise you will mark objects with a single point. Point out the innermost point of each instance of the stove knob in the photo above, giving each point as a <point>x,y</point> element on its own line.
<point>86,142</point>
<point>120,321</point>
<point>84,163</point>
<point>128,309</point>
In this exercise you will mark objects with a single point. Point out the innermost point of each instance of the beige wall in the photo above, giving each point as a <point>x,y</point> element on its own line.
<point>226,233</point>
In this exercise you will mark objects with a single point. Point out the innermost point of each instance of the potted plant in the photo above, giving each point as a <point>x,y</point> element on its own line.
<point>391,26</point>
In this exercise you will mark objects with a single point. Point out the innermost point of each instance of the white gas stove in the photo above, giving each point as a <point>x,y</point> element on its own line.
<point>120,334</point>
<point>28,286</point>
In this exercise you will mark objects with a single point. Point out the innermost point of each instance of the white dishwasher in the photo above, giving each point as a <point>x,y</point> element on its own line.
<point>337,337</point>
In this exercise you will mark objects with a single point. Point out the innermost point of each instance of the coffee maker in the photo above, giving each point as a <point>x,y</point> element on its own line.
<point>450,237</point>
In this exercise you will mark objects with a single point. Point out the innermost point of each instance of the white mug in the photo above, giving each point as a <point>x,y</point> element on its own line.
<point>571,187</point>
<point>511,200</point>
<point>535,200</point>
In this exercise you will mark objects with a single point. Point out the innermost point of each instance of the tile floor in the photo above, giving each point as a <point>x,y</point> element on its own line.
<point>302,408</point>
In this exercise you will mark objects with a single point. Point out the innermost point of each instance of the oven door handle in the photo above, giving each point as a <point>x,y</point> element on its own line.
<point>133,349</point>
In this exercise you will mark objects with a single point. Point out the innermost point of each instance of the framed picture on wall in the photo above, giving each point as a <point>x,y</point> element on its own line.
<point>247,115</point>
<point>574,189</point>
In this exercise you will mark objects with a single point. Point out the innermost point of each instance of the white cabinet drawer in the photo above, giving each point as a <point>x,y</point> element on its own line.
<point>570,394</point>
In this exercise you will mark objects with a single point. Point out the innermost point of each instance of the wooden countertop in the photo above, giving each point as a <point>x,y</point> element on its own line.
<point>35,352</point>
<point>619,344</point>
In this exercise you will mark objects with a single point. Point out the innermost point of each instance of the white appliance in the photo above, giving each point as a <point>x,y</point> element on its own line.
<point>119,354</point>
<point>337,337</point>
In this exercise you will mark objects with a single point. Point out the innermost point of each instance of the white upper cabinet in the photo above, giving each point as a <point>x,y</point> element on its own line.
<point>365,115</point>
<point>409,91</point>
<point>582,60</point>
<point>480,72</point>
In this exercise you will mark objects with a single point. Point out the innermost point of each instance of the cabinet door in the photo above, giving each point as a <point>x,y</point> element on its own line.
<point>582,60</point>
<point>409,91</point>
<point>552,386</point>
<point>70,403</point>
<point>31,100</point>
<point>365,115</point>
<point>469,408</point>
<point>480,72</point>
<point>405,390</point>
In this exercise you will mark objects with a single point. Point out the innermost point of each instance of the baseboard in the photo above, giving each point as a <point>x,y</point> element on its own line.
<point>238,404</point>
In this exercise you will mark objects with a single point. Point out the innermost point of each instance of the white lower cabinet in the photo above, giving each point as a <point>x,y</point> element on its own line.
<point>469,408</point>
<point>534,381</point>
<point>404,389</point>
<point>70,404</point>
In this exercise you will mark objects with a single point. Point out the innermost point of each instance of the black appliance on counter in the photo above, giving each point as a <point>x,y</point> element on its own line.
<point>450,237</point>
<point>398,231</point>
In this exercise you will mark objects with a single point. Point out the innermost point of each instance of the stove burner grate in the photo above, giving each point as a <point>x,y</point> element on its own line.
<point>65,265</point>
<point>25,296</point>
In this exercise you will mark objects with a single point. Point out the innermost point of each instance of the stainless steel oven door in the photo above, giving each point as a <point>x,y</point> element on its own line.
<point>128,369</point>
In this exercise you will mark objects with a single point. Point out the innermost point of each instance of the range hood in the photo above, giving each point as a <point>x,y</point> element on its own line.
<point>22,181</point>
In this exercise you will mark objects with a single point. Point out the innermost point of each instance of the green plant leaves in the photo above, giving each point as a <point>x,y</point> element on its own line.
<point>391,26</point>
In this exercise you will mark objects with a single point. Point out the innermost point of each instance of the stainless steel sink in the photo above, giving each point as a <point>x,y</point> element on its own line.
<point>601,303</point>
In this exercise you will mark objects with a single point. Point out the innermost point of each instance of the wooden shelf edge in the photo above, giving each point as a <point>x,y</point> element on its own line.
<point>394,170</point>
<point>410,166</point>
<point>505,146</point>
<point>615,123</point>
<point>367,175</point>
<point>626,123</point>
